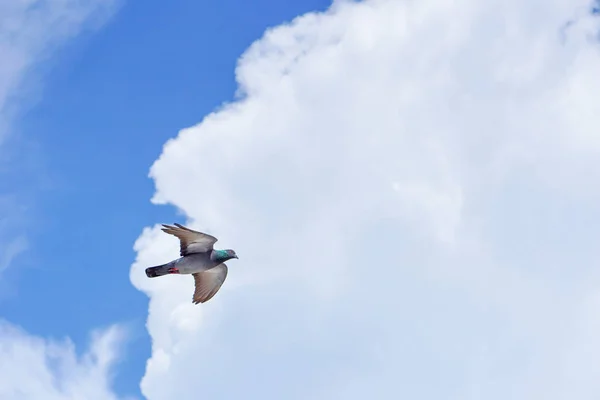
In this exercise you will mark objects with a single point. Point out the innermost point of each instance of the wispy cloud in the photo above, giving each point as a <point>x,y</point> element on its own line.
<point>9,252</point>
<point>30,33</point>
<point>410,188</point>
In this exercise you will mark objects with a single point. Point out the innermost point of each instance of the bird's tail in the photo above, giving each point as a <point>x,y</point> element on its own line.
<point>160,270</point>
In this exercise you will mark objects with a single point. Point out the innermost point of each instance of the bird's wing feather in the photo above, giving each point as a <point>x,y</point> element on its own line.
<point>208,283</point>
<point>190,241</point>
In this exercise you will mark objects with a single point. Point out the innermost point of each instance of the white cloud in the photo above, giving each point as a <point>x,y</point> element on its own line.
<point>411,189</point>
<point>34,368</point>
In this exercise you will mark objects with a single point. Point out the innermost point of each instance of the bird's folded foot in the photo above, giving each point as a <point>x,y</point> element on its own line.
<point>173,270</point>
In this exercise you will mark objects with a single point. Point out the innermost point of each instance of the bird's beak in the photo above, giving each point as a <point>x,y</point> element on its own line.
<point>236,256</point>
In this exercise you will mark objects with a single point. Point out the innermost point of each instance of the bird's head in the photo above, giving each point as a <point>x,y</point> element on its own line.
<point>224,255</point>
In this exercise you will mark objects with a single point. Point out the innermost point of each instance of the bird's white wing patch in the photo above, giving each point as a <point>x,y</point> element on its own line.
<point>208,283</point>
<point>190,241</point>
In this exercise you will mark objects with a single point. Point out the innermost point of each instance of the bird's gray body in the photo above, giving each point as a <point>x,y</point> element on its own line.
<point>199,259</point>
<point>195,262</point>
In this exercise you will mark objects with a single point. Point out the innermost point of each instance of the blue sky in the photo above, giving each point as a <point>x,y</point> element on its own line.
<point>109,100</point>
<point>412,197</point>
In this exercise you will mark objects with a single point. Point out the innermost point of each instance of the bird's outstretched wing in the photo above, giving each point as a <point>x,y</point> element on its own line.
<point>207,283</point>
<point>190,241</point>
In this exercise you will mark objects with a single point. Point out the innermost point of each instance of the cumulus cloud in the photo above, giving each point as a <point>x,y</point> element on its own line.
<point>36,368</point>
<point>411,189</point>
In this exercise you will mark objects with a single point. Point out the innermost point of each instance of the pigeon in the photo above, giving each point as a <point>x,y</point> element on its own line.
<point>199,259</point>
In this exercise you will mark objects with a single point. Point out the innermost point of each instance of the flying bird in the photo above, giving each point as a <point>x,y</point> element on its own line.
<point>198,258</point>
